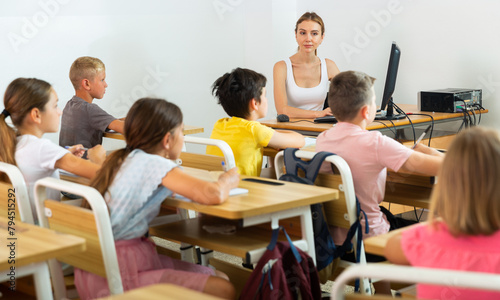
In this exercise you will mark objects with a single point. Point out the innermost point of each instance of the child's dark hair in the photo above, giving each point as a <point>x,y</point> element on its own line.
<point>21,96</point>
<point>235,90</point>
<point>146,124</point>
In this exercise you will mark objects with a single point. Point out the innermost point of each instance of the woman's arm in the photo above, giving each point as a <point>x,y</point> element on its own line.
<point>201,191</point>
<point>331,68</point>
<point>393,251</point>
<point>78,166</point>
<point>281,101</point>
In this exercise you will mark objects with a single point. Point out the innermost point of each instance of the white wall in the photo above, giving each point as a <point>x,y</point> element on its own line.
<point>176,49</point>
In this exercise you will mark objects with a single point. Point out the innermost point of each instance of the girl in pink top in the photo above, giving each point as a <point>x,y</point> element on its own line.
<point>463,230</point>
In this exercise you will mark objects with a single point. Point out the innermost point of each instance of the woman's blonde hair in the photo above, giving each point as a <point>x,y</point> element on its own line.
<point>466,196</point>
<point>311,16</point>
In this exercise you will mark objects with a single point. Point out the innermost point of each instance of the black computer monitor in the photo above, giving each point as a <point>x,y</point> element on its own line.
<point>386,108</point>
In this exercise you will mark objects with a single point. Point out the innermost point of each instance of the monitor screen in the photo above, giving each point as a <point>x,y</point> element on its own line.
<point>386,108</point>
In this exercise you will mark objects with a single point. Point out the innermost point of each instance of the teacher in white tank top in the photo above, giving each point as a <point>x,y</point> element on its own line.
<point>301,81</point>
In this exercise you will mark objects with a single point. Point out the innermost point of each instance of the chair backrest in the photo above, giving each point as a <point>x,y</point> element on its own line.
<point>483,281</point>
<point>208,162</point>
<point>14,195</point>
<point>93,225</point>
<point>341,212</point>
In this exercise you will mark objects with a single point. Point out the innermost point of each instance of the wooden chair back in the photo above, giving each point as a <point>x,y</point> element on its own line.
<point>202,161</point>
<point>93,225</point>
<point>81,222</point>
<point>341,212</point>
<point>208,162</point>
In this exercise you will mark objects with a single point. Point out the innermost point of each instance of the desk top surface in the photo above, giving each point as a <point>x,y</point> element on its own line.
<point>376,244</point>
<point>33,244</point>
<point>261,198</point>
<point>188,129</point>
<point>309,125</point>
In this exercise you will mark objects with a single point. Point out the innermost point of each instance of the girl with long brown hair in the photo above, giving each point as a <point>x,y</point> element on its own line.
<point>134,182</point>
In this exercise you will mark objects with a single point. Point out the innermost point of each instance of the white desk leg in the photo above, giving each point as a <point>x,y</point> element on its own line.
<point>308,232</point>
<point>42,282</point>
<point>40,272</point>
<point>306,226</point>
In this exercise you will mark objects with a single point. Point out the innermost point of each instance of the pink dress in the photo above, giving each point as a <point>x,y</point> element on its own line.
<point>140,265</point>
<point>425,246</point>
<point>368,154</point>
<point>134,199</point>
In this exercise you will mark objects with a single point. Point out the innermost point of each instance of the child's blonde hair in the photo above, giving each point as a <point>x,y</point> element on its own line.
<point>85,67</point>
<point>466,195</point>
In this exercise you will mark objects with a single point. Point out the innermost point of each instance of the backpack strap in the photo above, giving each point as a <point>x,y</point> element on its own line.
<point>310,168</point>
<point>274,240</point>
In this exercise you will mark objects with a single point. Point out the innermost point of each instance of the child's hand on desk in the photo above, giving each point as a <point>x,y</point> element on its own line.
<point>427,150</point>
<point>97,154</point>
<point>77,150</point>
<point>231,178</point>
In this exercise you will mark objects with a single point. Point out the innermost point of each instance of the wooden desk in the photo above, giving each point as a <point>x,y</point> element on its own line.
<point>261,199</point>
<point>188,129</point>
<point>265,203</point>
<point>31,247</point>
<point>308,127</point>
<point>376,244</point>
<point>161,291</point>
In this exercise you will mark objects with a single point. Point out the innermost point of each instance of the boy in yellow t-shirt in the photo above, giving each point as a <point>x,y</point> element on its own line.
<point>242,94</point>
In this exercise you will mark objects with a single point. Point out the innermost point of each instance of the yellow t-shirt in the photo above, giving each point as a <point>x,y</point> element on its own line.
<point>246,138</point>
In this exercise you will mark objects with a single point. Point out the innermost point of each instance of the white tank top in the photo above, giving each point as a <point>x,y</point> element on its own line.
<point>306,98</point>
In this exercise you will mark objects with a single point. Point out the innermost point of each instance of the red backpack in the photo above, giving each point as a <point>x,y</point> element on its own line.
<point>283,272</point>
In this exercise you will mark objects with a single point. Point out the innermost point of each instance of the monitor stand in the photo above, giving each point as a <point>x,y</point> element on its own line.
<point>389,115</point>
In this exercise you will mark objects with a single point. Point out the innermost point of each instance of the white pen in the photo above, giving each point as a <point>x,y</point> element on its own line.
<point>421,136</point>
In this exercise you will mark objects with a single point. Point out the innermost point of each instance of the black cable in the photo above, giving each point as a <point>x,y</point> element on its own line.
<point>416,216</point>
<point>432,125</point>
<point>474,115</point>
<point>479,107</point>
<point>391,129</point>
<point>399,110</point>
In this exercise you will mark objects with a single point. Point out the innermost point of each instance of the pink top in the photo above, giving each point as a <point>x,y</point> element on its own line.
<point>368,154</point>
<point>424,246</point>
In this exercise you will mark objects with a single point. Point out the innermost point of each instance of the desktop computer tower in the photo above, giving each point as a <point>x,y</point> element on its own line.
<point>449,100</point>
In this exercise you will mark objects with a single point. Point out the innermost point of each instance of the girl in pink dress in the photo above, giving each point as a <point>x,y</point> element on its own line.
<point>463,229</point>
<point>134,182</point>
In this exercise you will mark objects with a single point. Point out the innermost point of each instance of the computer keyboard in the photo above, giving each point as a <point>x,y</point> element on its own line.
<point>326,119</point>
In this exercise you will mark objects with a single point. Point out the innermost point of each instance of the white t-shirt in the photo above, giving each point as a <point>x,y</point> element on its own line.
<point>36,158</point>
